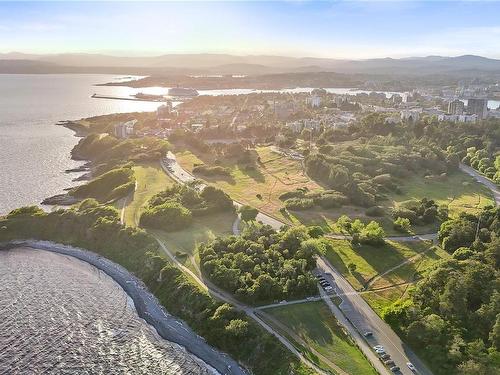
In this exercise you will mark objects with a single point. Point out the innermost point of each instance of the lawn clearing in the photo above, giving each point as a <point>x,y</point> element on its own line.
<point>275,175</point>
<point>379,300</point>
<point>371,261</point>
<point>411,271</point>
<point>183,243</point>
<point>151,179</point>
<point>315,324</point>
<point>459,191</point>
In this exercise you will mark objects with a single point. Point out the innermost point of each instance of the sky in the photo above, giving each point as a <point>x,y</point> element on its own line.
<point>336,29</point>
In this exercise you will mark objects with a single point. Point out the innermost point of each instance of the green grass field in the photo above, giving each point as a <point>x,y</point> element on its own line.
<point>459,192</point>
<point>276,174</point>
<point>151,179</point>
<point>279,174</point>
<point>317,326</point>
<point>381,296</point>
<point>183,243</point>
<point>371,261</point>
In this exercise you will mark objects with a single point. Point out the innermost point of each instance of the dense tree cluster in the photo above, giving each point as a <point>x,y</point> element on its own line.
<point>97,228</point>
<point>370,234</point>
<point>263,265</point>
<point>467,228</point>
<point>453,315</point>
<point>365,172</point>
<point>418,212</point>
<point>476,144</point>
<point>206,170</point>
<point>105,148</point>
<point>109,186</point>
<point>484,162</point>
<point>173,208</point>
<point>302,199</point>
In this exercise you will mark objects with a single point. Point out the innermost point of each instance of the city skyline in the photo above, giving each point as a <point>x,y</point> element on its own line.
<point>357,30</point>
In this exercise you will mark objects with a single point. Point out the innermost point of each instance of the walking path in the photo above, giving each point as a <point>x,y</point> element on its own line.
<point>221,295</point>
<point>367,317</point>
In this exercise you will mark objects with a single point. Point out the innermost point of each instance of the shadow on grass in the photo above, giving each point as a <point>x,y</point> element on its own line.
<point>252,171</point>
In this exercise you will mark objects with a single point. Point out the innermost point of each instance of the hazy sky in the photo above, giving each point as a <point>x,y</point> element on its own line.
<point>354,29</point>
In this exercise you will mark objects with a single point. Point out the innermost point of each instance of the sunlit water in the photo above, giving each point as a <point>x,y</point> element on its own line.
<point>60,315</point>
<point>34,152</point>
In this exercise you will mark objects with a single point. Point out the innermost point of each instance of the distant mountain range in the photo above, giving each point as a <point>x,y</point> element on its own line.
<point>252,64</point>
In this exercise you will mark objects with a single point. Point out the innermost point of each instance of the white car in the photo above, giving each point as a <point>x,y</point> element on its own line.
<point>380,351</point>
<point>411,366</point>
<point>378,347</point>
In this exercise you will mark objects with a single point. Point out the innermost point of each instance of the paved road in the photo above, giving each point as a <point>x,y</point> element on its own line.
<point>221,295</point>
<point>482,180</point>
<point>364,319</point>
<point>360,316</point>
<point>362,344</point>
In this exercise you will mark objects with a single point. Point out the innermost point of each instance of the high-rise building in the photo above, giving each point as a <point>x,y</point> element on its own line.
<point>456,107</point>
<point>478,107</point>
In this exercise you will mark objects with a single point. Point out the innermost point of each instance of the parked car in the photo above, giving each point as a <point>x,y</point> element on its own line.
<point>389,363</point>
<point>385,357</point>
<point>380,351</point>
<point>411,366</point>
<point>395,369</point>
<point>368,334</point>
<point>378,347</point>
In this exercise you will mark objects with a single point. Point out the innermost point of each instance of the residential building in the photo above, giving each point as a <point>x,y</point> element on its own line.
<point>125,129</point>
<point>397,99</point>
<point>456,107</point>
<point>164,110</point>
<point>313,101</point>
<point>478,107</point>
<point>458,118</point>
<point>410,115</point>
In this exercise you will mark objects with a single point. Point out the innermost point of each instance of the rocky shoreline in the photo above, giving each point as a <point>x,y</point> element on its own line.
<point>148,308</point>
<point>66,199</point>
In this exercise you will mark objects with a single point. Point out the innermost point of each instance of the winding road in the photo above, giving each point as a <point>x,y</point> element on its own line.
<point>221,295</point>
<point>482,180</point>
<point>353,313</point>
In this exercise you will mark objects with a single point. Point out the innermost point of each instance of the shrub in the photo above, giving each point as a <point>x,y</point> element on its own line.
<point>292,194</point>
<point>315,231</point>
<point>168,216</point>
<point>331,200</point>
<point>248,213</point>
<point>299,203</point>
<point>406,214</point>
<point>375,211</point>
<point>211,171</point>
<point>103,187</point>
<point>402,224</point>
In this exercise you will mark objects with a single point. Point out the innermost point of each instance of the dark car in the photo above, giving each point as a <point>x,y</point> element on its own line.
<point>395,369</point>
<point>385,357</point>
<point>389,363</point>
<point>368,334</point>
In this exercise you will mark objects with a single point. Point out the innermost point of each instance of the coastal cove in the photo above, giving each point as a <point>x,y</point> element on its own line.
<point>147,307</point>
